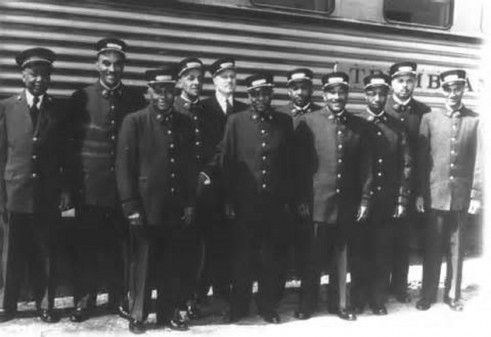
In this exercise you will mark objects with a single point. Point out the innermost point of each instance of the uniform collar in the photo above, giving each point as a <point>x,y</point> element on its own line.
<point>30,98</point>
<point>164,117</point>
<point>297,110</point>
<point>261,117</point>
<point>341,116</point>
<point>373,117</point>
<point>187,100</point>
<point>456,112</point>
<point>107,91</point>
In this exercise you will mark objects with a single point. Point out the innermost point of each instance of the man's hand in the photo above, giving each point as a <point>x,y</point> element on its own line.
<point>229,211</point>
<point>362,213</point>
<point>135,219</point>
<point>399,212</point>
<point>65,201</point>
<point>188,215</point>
<point>474,207</point>
<point>420,204</point>
<point>303,211</point>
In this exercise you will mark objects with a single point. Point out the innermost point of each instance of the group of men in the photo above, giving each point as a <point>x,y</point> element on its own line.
<point>185,194</point>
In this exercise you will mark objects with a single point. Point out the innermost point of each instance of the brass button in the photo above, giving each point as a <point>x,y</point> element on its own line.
<point>171,145</point>
<point>34,175</point>
<point>172,160</point>
<point>169,132</point>
<point>264,186</point>
<point>263,144</point>
<point>380,160</point>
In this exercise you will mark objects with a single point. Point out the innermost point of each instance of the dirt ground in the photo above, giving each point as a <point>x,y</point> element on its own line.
<point>403,319</point>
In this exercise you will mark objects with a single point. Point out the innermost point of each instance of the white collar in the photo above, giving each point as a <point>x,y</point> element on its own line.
<point>186,99</point>
<point>222,100</point>
<point>450,111</point>
<point>30,98</point>
<point>110,89</point>
<point>398,101</point>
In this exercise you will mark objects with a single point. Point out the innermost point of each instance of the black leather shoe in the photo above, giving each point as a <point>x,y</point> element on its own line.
<point>123,311</point>
<point>179,321</point>
<point>347,314</point>
<point>6,316</point>
<point>455,305</point>
<point>403,297</point>
<point>48,316</point>
<point>79,315</point>
<point>379,310</point>
<point>423,304</point>
<point>300,314</point>
<point>136,327</point>
<point>193,311</point>
<point>271,317</point>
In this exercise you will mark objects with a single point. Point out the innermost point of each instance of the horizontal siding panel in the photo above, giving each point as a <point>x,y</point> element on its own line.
<point>162,35</point>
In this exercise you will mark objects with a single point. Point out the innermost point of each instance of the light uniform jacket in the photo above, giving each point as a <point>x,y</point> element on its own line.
<point>448,175</point>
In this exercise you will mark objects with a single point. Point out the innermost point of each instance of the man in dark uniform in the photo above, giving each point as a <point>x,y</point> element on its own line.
<point>335,156</point>
<point>102,229</point>
<point>33,151</point>
<point>157,185</point>
<point>257,166</point>
<point>216,230</point>
<point>190,73</point>
<point>403,106</point>
<point>300,89</point>
<point>391,169</point>
<point>450,178</point>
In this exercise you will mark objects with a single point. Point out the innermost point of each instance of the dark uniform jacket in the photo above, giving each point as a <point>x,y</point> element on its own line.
<point>448,175</point>
<point>391,162</point>
<point>410,116</point>
<point>335,162</point>
<point>291,110</point>
<point>257,157</point>
<point>213,108</point>
<point>32,158</point>
<point>205,130</point>
<point>155,165</point>
<point>97,119</point>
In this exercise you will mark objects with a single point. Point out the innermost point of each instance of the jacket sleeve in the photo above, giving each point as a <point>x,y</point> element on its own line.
<point>366,168</point>
<point>226,150</point>
<point>423,158</point>
<point>406,171</point>
<point>303,161</point>
<point>68,151</point>
<point>289,186</point>
<point>191,168</point>
<point>476,191</point>
<point>3,159</point>
<point>127,167</point>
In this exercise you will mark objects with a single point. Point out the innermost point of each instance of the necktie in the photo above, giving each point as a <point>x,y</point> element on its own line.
<point>34,112</point>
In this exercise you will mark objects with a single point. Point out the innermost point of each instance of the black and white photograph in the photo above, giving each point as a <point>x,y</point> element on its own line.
<point>244,167</point>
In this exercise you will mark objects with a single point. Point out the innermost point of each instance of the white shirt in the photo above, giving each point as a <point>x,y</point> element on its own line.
<point>222,100</point>
<point>30,99</point>
<point>398,101</point>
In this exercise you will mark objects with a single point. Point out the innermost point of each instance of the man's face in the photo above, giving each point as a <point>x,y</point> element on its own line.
<point>225,82</point>
<point>110,66</point>
<point>191,82</point>
<point>300,92</point>
<point>162,95</point>
<point>403,86</point>
<point>376,98</point>
<point>336,98</point>
<point>453,94</point>
<point>36,78</point>
<point>261,98</point>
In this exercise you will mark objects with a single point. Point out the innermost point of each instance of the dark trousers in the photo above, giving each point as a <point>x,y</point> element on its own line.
<point>359,268</point>
<point>259,250</point>
<point>443,234</point>
<point>158,253</point>
<point>323,251</point>
<point>216,236</point>
<point>28,240</point>
<point>400,254</point>
<point>102,235</point>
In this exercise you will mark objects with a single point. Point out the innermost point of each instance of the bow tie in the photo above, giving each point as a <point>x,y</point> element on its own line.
<point>300,111</point>
<point>107,93</point>
<point>402,107</point>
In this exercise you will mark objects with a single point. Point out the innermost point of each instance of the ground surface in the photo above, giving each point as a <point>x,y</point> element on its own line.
<point>403,319</point>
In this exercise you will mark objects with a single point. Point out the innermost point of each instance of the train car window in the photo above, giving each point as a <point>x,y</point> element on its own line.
<point>317,6</point>
<point>434,13</point>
